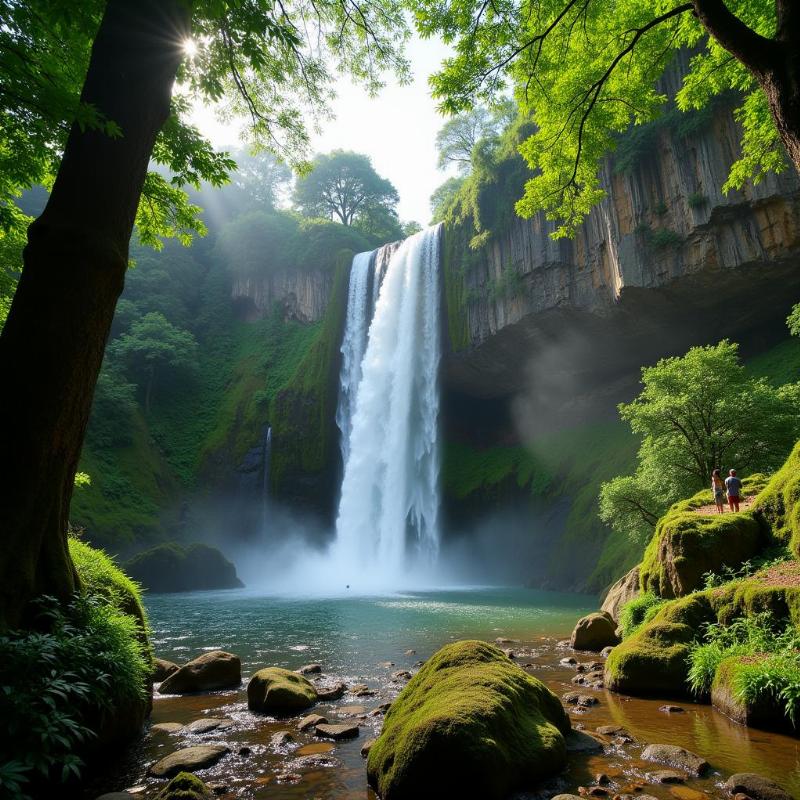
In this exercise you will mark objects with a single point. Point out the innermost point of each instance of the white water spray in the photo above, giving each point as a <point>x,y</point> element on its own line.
<point>388,512</point>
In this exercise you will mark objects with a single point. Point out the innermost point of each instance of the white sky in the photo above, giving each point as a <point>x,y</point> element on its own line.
<point>397,129</point>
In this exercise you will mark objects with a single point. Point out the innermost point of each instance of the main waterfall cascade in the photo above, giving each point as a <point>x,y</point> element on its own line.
<point>388,416</point>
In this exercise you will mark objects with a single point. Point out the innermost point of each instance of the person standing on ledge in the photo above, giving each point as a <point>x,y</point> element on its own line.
<point>718,488</point>
<point>734,487</point>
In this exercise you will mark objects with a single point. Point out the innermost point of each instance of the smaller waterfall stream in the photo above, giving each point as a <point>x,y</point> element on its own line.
<point>389,407</point>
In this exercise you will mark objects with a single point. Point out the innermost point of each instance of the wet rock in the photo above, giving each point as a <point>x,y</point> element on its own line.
<point>570,698</point>
<point>676,757</point>
<point>685,793</point>
<point>593,791</point>
<point>569,661</point>
<point>566,797</point>
<point>209,724</point>
<point>351,711</point>
<point>162,669</point>
<point>401,675</point>
<point>668,709</point>
<point>310,669</point>
<point>166,727</point>
<point>503,640</point>
<point>333,692</point>
<point>386,664</point>
<point>281,739</point>
<point>244,751</point>
<point>594,632</point>
<point>185,786</point>
<point>610,730</point>
<point>606,651</point>
<point>509,653</point>
<point>336,731</point>
<point>208,672</point>
<point>409,653</point>
<point>362,690</point>
<point>666,776</point>
<point>601,779</point>
<point>315,762</point>
<point>582,742</point>
<point>366,747</point>
<point>563,643</point>
<point>755,786</point>
<point>219,788</point>
<point>311,721</point>
<point>188,759</point>
<point>279,691</point>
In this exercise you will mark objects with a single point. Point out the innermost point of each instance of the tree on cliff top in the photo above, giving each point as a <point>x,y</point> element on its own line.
<point>86,96</point>
<point>345,186</point>
<point>585,70</point>
<point>695,414</point>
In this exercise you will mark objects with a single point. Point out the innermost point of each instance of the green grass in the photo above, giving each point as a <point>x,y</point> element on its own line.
<point>638,611</point>
<point>780,364</point>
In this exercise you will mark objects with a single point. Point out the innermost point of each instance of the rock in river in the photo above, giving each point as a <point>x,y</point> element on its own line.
<point>755,786</point>
<point>279,691</point>
<point>339,731</point>
<point>676,757</point>
<point>210,671</point>
<point>188,759</point>
<point>470,723</point>
<point>162,669</point>
<point>594,632</point>
<point>185,786</point>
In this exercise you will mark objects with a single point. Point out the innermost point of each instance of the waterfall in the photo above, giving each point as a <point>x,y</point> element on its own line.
<point>266,459</point>
<point>353,344</point>
<point>389,505</point>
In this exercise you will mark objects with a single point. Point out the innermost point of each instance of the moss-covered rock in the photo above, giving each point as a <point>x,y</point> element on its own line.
<point>279,691</point>
<point>206,673</point>
<point>686,544</point>
<point>185,786</point>
<point>470,723</point>
<point>183,568</point>
<point>727,695</point>
<point>653,660</point>
<point>594,632</point>
<point>779,502</point>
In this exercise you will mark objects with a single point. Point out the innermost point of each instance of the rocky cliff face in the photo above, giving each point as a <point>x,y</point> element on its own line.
<point>302,294</point>
<point>666,261</point>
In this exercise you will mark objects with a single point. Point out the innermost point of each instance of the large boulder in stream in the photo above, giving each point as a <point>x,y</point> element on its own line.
<point>185,786</point>
<point>206,673</point>
<point>182,568</point>
<point>594,632</point>
<point>279,691</point>
<point>470,723</point>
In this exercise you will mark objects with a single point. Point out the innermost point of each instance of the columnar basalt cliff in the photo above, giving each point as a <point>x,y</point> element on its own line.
<point>302,294</point>
<point>666,250</point>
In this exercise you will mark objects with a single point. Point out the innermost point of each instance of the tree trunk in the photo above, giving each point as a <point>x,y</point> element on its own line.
<point>52,345</point>
<point>782,87</point>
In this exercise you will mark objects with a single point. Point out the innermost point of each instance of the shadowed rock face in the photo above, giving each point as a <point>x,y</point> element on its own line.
<point>665,262</point>
<point>303,295</point>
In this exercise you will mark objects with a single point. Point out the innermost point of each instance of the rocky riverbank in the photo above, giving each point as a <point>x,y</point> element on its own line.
<point>619,745</point>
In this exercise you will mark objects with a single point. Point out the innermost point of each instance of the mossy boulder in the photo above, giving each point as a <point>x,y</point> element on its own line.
<point>185,786</point>
<point>653,660</point>
<point>779,502</point>
<point>727,695</point>
<point>594,632</point>
<point>469,723</point>
<point>749,596</point>
<point>178,568</point>
<point>100,577</point>
<point>279,691</point>
<point>686,544</point>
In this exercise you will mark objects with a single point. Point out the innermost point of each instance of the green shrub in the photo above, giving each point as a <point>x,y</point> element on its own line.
<point>638,611</point>
<point>663,238</point>
<point>79,661</point>
<point>771,667</point>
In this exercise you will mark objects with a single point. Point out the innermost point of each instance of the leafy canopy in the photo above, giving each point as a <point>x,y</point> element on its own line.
<point>584,71</point>
<point>273,63</point>
<point>697,413</point>
<point>345,186</point>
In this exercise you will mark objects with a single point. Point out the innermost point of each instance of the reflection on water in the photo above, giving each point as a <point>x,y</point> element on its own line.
<point>365,640</point>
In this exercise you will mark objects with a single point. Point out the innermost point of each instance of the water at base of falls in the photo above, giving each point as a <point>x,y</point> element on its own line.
<point>387,531</point>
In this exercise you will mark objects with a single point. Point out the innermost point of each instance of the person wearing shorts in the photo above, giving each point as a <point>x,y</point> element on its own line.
<point>718,490</point>
<point>734,488</point>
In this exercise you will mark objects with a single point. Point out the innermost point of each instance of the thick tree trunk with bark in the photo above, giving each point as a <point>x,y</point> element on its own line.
<point>775,63</point>
<point>52,345</point>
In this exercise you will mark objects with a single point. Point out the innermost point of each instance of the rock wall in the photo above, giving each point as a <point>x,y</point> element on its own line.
<point>665,261</point>
<point>303,294</point>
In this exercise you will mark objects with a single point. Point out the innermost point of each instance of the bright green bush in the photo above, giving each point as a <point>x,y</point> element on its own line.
<point>79,661</point>
<point>638,611</point>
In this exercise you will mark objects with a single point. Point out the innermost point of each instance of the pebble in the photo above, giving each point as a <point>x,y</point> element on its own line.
<point>209,724</point>
<point>666,776</point>
<point>401,675</point>
<point>331,692</point>
<point>409,653</point>
<point>569,661</point>
<point>166,727</point>
<point>281,738</point>
<point>671,709</point>
<point>351,711</point>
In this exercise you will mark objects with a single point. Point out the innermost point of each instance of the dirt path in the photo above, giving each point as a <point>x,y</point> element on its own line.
<point>711,508</point>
